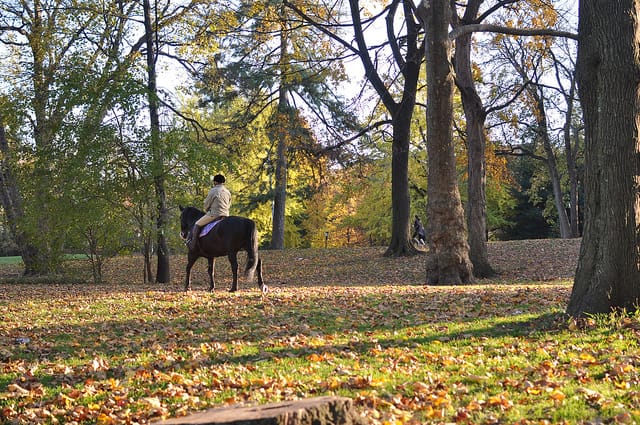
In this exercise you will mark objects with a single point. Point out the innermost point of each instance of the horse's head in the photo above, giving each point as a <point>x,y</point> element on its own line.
<point>188,217</point>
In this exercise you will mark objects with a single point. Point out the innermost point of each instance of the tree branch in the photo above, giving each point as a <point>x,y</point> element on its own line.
<point>519,150</point>
<point>356,136</point>
<point>510,101</point>
<point>467,29</point>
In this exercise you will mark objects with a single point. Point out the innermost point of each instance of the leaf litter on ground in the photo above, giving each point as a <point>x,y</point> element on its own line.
<point>339,321</point>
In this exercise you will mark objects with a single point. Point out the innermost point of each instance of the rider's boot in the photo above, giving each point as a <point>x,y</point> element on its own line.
<point>193,240</point>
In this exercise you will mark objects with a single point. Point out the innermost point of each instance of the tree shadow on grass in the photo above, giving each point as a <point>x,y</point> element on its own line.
<point>170,330</point>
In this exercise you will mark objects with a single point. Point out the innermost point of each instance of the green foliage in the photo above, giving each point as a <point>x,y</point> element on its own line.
<point>82,154</point>
<point>527,218</point>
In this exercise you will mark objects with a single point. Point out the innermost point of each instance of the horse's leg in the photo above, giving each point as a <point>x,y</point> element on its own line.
<point>261,284</point>
<point>211,270</point>
<point>191,259</point>
<point>233,259</point>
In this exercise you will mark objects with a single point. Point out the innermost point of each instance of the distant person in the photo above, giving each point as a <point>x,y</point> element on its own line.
<point>419,235</point>
<point>216,206</point>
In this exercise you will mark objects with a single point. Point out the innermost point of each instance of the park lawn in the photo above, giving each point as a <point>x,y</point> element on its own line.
<point>494,352</point>
<point>10,260</point>
<point>18,260</point>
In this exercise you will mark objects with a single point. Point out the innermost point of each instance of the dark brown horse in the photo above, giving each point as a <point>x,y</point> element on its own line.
<point>227,238</point>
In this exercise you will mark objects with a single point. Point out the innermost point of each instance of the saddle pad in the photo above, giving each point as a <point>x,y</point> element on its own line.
<point>207,227</point>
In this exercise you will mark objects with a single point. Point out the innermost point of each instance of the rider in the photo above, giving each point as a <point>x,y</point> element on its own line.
<point>216,206</point>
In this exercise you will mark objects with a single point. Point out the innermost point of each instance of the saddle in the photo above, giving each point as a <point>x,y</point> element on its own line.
<point>208,227</point>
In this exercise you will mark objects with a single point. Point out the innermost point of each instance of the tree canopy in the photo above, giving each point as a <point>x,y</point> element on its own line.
<point>315,132</point>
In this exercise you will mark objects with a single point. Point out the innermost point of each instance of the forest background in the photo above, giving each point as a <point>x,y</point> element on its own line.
<point>114,113</point>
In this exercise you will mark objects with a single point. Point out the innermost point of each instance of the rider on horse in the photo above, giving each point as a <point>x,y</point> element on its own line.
<point>216,206</point>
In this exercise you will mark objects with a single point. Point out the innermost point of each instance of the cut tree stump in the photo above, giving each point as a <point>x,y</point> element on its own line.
<point>311,411</point>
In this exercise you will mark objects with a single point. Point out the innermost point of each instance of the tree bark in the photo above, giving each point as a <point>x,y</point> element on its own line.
<point>608,73</point>
<point>400,199</point>
<point>475,115</point>
<point>448,256</point>
<point>157,157</point>
<point>280,189</point>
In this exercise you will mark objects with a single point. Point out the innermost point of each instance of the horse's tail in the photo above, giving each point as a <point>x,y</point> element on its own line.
<point>252,252</point>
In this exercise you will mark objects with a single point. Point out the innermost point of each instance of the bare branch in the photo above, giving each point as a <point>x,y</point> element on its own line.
<point>356,136</point>
<point>510,101</point>
<point>519,150</point>
<point>467,29</point>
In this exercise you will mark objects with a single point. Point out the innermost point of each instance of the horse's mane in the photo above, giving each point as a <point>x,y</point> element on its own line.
<point>193,210</point>
<point>191,214</point>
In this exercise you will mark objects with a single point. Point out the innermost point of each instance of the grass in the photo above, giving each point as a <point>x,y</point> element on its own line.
<point>11,260</point>
<point>361,326</point>
<point>17,260</point>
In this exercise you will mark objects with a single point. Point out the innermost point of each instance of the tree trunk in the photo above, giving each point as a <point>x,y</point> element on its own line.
<point>475,115</point>
<point>402,115</point>
<point>552,165</point>
<point>401,112</point>
<point>283,122</point>
<point>280,189</point>
<point>608,72</point>
<point>448,256</point>
<point>147,255</point>
<point>163,270</point>
<point>476,192</point>
<point>12,205</point>
<point>40,258</point>
<point>572,168</point>
<point>536,92</point>
<point>400,198</point>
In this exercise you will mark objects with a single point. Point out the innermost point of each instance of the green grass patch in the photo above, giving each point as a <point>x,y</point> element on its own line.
<point>10,260</point>
<point>18,259</point>
<point>405,354</point>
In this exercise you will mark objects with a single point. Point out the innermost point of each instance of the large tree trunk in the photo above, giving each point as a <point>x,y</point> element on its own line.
<point>476,191</point>
<point>608,70</point>
<point>400,198</point>
<point>475,115</point>
<point>163,270</point>
<point>448,256</point>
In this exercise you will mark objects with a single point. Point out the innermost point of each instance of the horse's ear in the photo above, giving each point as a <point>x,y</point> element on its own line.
<point>181,207</point>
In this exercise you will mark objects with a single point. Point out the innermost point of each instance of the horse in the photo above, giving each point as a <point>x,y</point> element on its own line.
<point>229,236</point>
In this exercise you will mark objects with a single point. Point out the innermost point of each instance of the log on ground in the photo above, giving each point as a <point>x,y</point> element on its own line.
<point>312,411</point>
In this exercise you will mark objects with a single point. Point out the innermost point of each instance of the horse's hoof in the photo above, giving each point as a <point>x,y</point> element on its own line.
<point>265,289</point>
<point>233,289</point>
